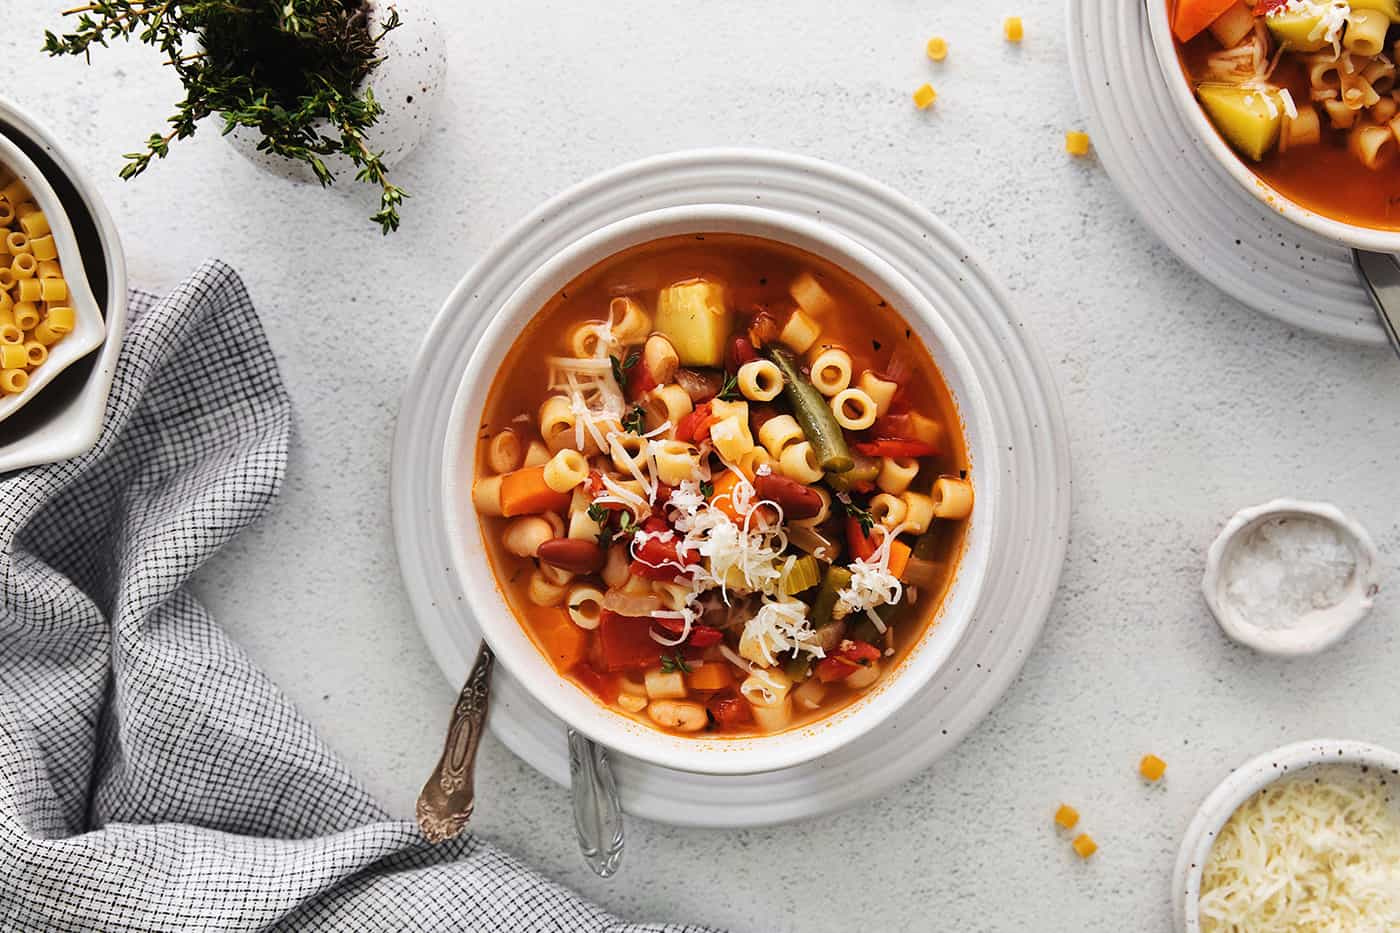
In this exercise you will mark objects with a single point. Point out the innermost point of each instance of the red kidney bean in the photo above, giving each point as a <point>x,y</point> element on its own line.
<point>797,501</point>
<point>576,555</point>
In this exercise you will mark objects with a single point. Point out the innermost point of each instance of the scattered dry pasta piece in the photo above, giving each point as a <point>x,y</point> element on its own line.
<point>1077,143</point>
<point>925,96</point>
<point>1085,845</point>
<point>1012,29</point>
<point>1152,767</point>
<point>1067,816</point>
<point>938,48</point>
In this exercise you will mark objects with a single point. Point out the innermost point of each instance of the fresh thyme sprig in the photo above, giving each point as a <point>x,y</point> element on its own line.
<point>672,663</point>
<point>288,69</point>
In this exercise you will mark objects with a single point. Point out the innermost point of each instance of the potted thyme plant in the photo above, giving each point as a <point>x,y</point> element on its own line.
<point>292,76</point>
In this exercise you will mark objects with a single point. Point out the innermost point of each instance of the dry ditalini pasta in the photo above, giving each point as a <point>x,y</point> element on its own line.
<point>34,309</point>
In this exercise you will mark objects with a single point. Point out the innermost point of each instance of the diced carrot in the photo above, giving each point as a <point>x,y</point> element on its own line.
<point>723,496</point>
<point>1084,845</point>
<point>712,675</point>
<point>1193,16</point>
<point>565,644</point>
<point>524,492</point>
<point>1067,816</point>
<point>899,558</point>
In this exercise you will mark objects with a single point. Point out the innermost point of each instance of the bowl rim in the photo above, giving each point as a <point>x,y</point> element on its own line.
<point>502,628</point>
<point>91,331</point>
<point>1322,634</point>
<point>1241,784</point>
<point>74,430</point>
<point>1179,89</point>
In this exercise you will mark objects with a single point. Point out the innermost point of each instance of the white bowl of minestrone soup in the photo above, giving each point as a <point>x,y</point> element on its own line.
<point>1298,101</point>
<point>720,488</point>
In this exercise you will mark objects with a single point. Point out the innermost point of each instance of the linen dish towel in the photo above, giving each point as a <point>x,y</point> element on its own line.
<point>151,778</point>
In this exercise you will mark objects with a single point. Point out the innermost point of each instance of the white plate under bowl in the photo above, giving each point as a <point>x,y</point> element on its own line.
<point>1161,165</point>
<point>508,638</point>
<point>88,326</point>
<point>1031,525</point>
<point>1243,783</point>
<point>66,419</point>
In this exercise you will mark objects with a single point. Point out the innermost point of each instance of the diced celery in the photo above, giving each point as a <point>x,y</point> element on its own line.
<point>803,575</point>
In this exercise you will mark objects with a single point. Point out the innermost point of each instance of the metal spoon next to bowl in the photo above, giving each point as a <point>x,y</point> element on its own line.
<point>447,800</point>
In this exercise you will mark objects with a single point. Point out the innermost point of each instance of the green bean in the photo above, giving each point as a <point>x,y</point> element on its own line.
<point>813,413</point>
<point>824,605</point>
<point>865,470</point>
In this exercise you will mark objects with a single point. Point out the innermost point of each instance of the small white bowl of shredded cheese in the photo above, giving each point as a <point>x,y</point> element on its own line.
<point>1306,837</point>
<point>1290,578</point>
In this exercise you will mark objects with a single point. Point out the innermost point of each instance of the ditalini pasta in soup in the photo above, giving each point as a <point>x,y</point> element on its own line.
<point>1305,90</point>
<point>722,485</point>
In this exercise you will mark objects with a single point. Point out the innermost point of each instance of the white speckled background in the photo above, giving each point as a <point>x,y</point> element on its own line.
<point>1182,406</point>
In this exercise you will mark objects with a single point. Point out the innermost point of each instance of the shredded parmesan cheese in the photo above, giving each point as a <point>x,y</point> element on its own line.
<point>777,628</point>
<point>1317,852</point>
<point>872,584</point>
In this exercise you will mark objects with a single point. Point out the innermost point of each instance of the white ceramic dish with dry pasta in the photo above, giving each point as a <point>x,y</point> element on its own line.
<point>1305,837</point>
<point>49,318</point>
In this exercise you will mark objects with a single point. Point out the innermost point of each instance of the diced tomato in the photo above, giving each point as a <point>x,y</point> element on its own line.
<point>895,447</point>
<point>626,643</point>
<point>663,493</point>
<point>695,427</point>
<point>595,683</point>
<point>639,382</point>
<point>862,545</point>
<point>861,652</point>
<point>1265,7</point>
<point>835,668</point>
<point>729,710</point>
<point>595,483</point>
<point>703,636</point>
<point>661,572</point>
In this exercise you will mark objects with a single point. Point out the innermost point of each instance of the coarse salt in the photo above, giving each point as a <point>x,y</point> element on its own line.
<point>1285,568</point>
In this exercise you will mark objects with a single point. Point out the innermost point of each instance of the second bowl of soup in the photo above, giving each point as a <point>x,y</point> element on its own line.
<point>1298,101</point>
<point>719,488</point>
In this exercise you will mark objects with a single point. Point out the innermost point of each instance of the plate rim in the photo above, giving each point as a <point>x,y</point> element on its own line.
<point>1359,328</point>
<point>1042,404</point>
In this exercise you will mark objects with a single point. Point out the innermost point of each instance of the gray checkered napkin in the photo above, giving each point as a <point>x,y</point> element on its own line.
<point>151,778</point>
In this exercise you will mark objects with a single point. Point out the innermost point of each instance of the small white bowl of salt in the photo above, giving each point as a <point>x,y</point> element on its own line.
<point>1290,578</point>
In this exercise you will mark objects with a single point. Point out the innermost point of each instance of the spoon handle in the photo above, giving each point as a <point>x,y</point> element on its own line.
<point>1381,276</point>
<point>446,802</point>
<point>597,810</point>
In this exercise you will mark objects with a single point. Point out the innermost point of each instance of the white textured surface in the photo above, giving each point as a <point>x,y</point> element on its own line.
<point>1183,406</point>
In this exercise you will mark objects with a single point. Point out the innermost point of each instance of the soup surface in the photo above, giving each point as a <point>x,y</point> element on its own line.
<point>722,485</point>
<point>1305,91</point>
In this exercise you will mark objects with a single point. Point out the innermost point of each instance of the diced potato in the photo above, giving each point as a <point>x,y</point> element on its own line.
<point>1243,116</point>
<point>1293,30</point>
<point>1391,8</point>
<point>695,316</point>
<point>668,685</point>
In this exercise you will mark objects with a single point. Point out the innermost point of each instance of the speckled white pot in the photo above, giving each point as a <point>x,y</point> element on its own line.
<point>407,84</point>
